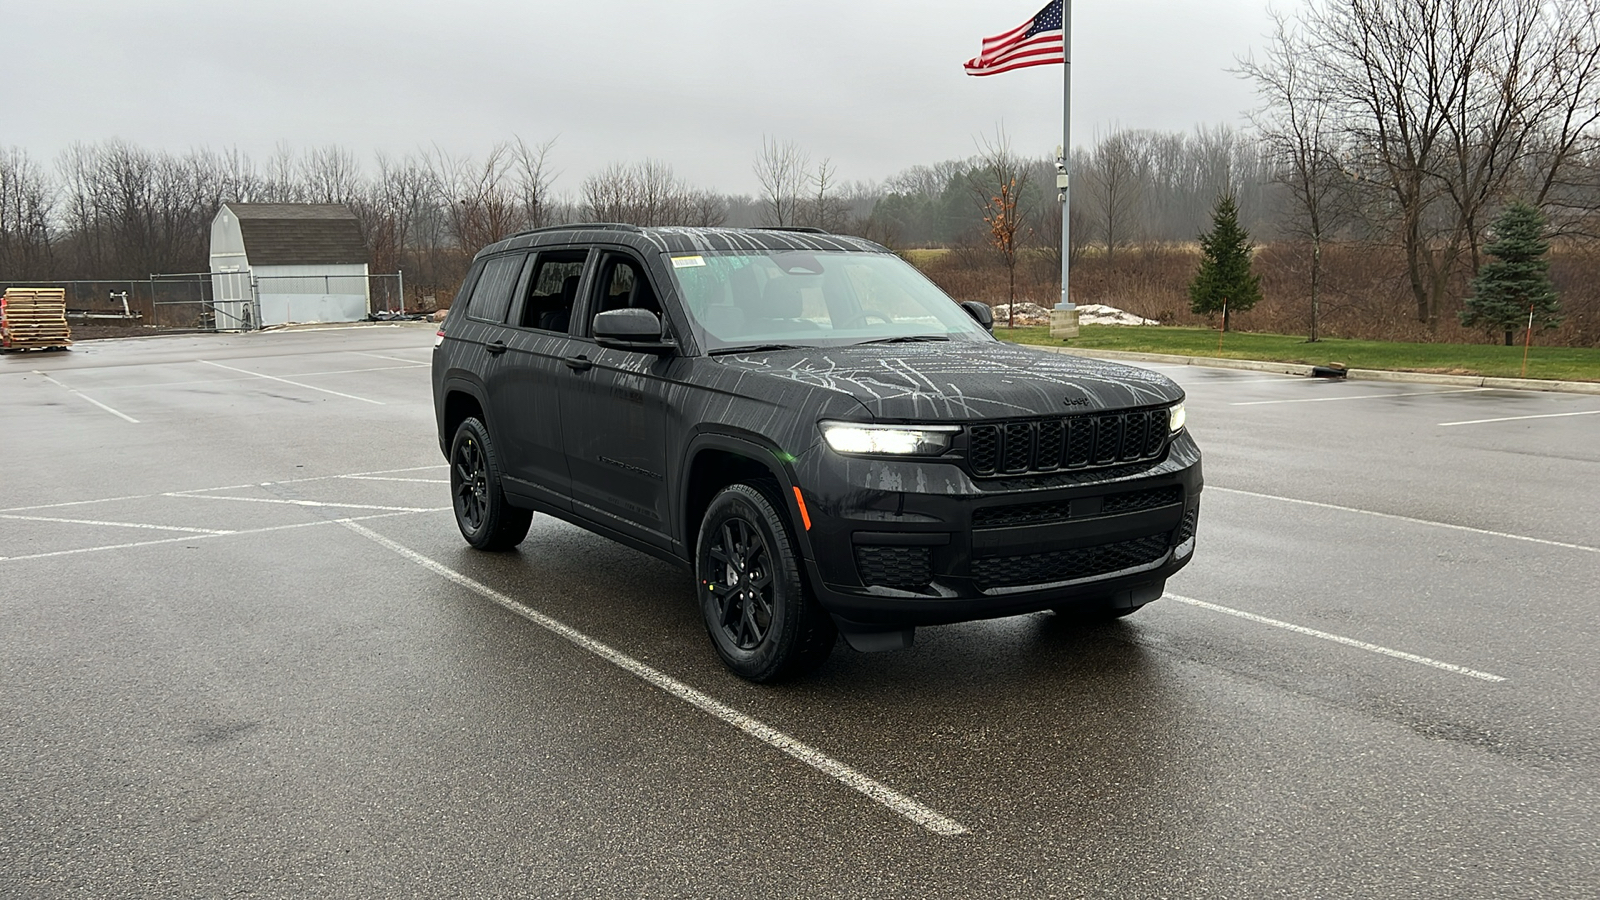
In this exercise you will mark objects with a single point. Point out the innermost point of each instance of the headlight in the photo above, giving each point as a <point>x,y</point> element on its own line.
<point>896,440</point>
<point>1175,419</point>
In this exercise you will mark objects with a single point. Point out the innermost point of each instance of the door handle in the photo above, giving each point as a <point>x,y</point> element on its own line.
<point>495,347</point>
<point>577,363</point>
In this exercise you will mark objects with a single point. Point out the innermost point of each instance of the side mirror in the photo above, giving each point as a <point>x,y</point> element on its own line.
<point>980,312</point>
<point>631,329</point>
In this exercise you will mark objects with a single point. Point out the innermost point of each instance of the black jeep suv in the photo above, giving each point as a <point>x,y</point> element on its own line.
<point>831,443</point>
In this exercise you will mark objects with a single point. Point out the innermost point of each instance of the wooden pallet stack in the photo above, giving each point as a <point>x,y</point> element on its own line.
<point>34,319</point>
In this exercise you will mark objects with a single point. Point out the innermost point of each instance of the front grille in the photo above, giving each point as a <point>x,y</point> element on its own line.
<point>983,448</point>
<point>1191,520</point>
<point>1052,437</point>
<point>1053,511</point>
<point>1017,447</point>
<point>1073,442</point>
<point>907,568</point>
<point>1068,565</point>
<point>1080,444</point>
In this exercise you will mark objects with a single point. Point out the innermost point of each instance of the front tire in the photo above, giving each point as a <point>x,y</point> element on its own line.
<point>761,619</point>
<point>486,519</point>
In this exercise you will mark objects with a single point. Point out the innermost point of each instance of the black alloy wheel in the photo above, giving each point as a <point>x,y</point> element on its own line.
<point>743,593</point>
<point>762,621</point>
<point>485,518</point>
<point>470,484</point>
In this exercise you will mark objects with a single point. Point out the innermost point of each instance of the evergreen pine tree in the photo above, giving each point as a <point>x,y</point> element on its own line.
<point>1518,280</point>
<point>1224,283</point>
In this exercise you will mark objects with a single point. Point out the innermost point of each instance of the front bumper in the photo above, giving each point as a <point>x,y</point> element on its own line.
<point>896,543</point>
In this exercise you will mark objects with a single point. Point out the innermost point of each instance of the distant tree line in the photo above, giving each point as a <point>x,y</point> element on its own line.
<point>1404,126</point>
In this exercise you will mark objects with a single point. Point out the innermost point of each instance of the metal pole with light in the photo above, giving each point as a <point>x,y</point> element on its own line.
<point>1064,153</point>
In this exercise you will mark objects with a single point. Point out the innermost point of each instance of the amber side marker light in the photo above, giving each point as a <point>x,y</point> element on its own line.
<point>805,517</point>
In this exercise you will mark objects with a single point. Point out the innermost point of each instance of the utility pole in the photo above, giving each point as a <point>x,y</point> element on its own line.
<point>1064,318</point>
<point>1064,152</point>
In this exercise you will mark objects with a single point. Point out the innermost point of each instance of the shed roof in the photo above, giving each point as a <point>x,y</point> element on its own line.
<point>299,234</point>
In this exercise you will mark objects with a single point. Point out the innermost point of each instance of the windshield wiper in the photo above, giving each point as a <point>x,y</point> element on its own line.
<point>756,348</point>
<point>909,339</point>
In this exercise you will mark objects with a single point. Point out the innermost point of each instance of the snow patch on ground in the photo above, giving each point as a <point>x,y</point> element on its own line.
<point>1100,314</point>
<point>1088,314</point>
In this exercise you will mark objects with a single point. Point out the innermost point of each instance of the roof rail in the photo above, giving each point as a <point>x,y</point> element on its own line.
<point>802,229</point>
<point>596,226</point>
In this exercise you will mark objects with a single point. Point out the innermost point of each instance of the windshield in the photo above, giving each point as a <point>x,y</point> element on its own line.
<point>813,299</point>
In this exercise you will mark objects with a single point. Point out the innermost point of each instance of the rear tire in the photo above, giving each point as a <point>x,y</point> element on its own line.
<point>486,519</point>
<point>762,621</point>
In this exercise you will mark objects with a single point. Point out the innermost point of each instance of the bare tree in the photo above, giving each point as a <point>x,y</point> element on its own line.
<point>707,209</point>
<point>1047,235</point>
<point>1295,122</point>
<point>1451,104</point>
<point>928,181</point>
<point>391,209</point>
<point>482,206</point>
<point>1114,178</point>
<point>826,208</point>
<point>533,178</point>
<point>282,182</point>
<point>999,182</point>
<point>782,170</point>
<point>647,193</point>
<point>330,175</point>
<point>133,211</point>
<point>26,206</point>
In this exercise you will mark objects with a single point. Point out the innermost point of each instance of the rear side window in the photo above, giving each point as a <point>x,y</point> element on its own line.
<point>491,296</point>
<point>553,289</point>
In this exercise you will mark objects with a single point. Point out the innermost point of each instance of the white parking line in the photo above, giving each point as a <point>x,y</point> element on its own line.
<point>1229,382</point>
<point>167,384</point>
<point>308,387</point>
<point>894,800</point>
<point>207,537</point>
<point>1339,639</point>
<point>193,496</point>
<point>225,487</point>
<point>396,359</point>
<point>1591,412</point>
<point>114,524</point>
<point>81,394</point>
<point>275,330</point>
<point>1361,397</point>
<point>388,478</point>
<point>1415,521</point>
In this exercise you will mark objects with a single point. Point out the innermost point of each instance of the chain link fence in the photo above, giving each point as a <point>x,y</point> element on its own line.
<point>225,301</point>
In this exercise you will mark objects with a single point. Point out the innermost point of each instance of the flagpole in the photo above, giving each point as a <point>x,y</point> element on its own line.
<point>1064,158</point>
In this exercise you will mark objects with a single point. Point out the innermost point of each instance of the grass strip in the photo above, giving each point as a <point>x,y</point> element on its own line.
<point>1555,363</point>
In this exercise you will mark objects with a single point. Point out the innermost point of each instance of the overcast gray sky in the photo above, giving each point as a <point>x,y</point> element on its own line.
<point>876,85</point>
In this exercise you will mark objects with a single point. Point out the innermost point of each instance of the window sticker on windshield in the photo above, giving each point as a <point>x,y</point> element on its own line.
<point>687,262</point>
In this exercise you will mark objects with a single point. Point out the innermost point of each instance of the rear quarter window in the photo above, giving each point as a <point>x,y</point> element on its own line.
<point>491,295</point>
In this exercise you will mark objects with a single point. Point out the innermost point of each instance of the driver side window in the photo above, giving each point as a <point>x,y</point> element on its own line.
<point>624,285</point>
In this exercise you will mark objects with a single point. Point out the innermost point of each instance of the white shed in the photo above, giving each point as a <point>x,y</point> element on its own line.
<point>274,263</point>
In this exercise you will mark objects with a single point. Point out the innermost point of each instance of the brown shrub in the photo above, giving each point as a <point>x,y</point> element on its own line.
<point>1364,291</point>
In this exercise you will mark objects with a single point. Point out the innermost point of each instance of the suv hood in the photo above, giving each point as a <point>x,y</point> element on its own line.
<point>961,381</point>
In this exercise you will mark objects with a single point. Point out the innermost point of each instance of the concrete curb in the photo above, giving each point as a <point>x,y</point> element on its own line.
<point>1251,365</point>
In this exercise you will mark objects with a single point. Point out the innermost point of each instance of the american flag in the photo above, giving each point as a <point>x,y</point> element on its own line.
<point>1039,41</point>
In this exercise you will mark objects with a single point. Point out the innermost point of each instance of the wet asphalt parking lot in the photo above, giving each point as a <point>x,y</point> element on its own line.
<point>245,652</point>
